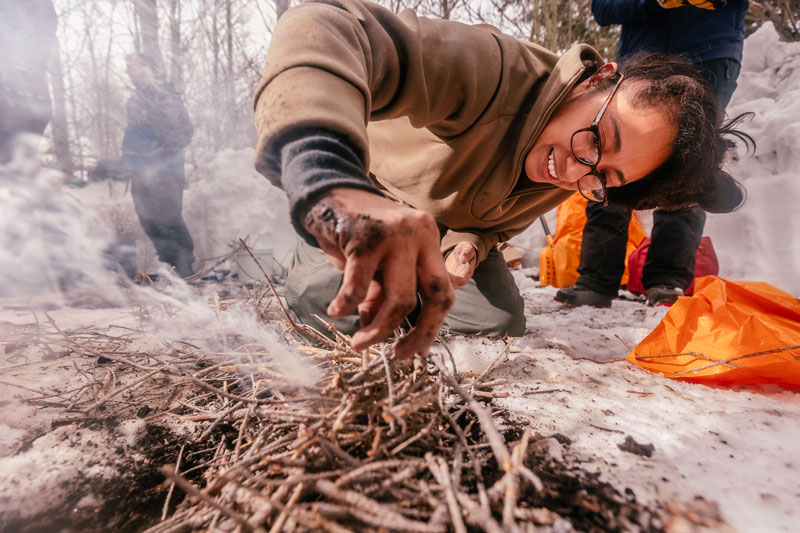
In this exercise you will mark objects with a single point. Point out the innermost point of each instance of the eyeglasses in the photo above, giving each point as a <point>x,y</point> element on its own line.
<point>585,146</point>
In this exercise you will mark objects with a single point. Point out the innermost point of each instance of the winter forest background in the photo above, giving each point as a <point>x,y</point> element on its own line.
<point>212,52</point>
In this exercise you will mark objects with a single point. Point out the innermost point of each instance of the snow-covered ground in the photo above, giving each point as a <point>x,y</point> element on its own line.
<point>735,447</point>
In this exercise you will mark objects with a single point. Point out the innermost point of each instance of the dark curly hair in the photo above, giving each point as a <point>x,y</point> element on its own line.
<point>692,174</point>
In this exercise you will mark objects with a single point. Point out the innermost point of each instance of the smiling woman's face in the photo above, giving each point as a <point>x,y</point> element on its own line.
<point>634,141</point>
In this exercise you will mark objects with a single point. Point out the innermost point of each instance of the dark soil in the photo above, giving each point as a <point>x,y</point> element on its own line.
<point>131,501</point>
<point>134,500</point>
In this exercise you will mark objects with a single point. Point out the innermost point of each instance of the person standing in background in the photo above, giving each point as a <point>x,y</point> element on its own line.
<point>27,42</point>
<point>709,33</point>
<point>157,132</point>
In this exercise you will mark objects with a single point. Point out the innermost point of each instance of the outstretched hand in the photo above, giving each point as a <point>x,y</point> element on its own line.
<point>387,252</point>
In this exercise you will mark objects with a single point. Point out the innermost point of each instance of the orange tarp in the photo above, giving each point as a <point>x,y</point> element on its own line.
<point>727,333</point>
<point>559,261</point>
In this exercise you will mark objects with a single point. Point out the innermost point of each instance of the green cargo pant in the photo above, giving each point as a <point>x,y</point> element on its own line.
<point>489,304</point>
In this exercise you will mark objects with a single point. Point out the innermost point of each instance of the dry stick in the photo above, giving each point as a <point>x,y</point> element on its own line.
<point>299,327</point>
<point>194,492</point>
<point>217,485</point>
<point>388,369</point>
<point>165,510</point>
<point>494,437</point>
<point>278,525</point>
<point>449,354</point>
<point>372,509</point>
<point>479,516</point>
<point>728,361</point>
<point>119,391</point>
<point>414,438</point>
<point>438,468</point>
<point>355,474</point>
<point>625,344</point>
<point>217,422</point>
<point>345,405</point>
<point>77,396</point>
<point>339,337</point>
<point>313,522</point>
<point>336,451</point>
<point>72,344</point>
<point>488,368</point>
<point>476,466</point>
<point>230,396</point>
<point>512,486</point>
<point>8,383</point>
<point>510,502</point>
<point>242,430</point>
<point>389,386</point>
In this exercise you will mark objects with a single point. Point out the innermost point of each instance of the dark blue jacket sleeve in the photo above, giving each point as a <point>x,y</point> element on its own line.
<point>607,12</point>
<point>313,161</point>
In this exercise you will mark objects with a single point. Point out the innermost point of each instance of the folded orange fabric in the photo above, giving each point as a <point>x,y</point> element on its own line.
<point>559,260</point>
<point>742,332</point>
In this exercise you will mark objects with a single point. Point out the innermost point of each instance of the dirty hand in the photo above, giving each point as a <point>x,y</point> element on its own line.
<point>387,253</point>
<point>460,264</point>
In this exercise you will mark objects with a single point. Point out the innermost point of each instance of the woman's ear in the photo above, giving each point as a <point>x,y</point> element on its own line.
<point>609,69</point>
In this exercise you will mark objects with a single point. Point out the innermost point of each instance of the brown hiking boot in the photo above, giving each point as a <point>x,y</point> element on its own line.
<point>577,296</point>
<point>663,295</point>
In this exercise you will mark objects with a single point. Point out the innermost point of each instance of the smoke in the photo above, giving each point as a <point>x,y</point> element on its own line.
<point>52,252</point>
<point>55,253</point>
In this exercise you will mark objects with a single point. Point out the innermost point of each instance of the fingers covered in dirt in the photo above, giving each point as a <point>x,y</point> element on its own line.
<point>387,252</point>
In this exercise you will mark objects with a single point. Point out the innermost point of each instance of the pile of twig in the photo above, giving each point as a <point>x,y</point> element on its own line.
<point>375,444</point>
<point>378,445</point>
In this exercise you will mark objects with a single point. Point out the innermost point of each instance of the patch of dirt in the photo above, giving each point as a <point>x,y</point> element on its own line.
<point>578,496</point>
<point>131,500</point>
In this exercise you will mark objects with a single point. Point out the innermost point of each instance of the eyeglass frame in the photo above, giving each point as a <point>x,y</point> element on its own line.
<point>596,132</point>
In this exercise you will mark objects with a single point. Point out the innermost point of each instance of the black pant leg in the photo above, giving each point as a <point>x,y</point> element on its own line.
<point>605,237</point>
<point>673,247</point>
<point>676,234</point>
<point>158,199</point>
<point>721,76</point>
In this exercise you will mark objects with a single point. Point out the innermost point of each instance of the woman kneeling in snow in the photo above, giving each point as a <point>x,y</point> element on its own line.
<point>409,147</point>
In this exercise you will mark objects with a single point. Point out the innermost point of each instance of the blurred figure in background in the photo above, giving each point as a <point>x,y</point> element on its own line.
<point>158,130</point>
<point>27,41</point>
<point>710,34</point>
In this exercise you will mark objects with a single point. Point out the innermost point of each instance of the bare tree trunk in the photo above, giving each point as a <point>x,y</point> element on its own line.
<point>147,16</point>
<point>280,7</point>
<point>215,51</point>
<point>230,106</point>
<point>59,119</point>
<point>176,53</point>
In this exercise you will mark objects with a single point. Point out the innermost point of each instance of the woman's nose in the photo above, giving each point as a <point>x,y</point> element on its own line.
<point>574,170</point>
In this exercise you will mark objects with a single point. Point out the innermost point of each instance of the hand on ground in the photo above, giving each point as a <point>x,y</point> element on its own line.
<point>460,264</point>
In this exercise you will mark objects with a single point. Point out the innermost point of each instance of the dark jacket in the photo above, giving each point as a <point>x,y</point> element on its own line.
<point>699,34</point>
<point>158,130</point>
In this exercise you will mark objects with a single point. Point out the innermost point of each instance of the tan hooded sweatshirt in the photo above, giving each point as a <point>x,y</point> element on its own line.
<point>443,113</point>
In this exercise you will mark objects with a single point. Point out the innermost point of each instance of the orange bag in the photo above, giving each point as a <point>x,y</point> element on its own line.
<point>559,260</point>
<point>729,332</point>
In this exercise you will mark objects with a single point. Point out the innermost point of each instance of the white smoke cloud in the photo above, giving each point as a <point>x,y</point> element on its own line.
<point>54,253</point>
<point>51,249</point>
